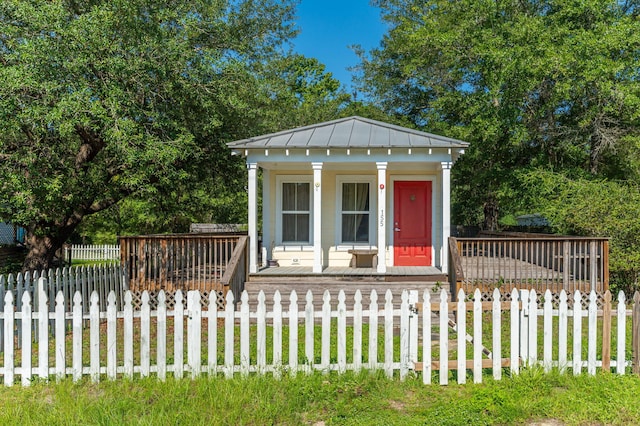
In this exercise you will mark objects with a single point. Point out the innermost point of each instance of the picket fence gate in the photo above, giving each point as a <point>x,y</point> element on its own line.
<point>102,252</point>
<point>397,340</point>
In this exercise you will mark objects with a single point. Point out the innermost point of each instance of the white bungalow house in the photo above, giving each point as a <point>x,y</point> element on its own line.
<point>350,192</point>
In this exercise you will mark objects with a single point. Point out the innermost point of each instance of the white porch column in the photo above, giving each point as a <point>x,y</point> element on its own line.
<point>266,217</point>
<point>253,217</point>
<point>317,217</point>
<point>382,219</point>
<point>446,214</point>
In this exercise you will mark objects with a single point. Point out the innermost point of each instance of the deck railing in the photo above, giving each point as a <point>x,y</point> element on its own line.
<point>533,261</point>
<point>179,261</point>
<point>237,270</point>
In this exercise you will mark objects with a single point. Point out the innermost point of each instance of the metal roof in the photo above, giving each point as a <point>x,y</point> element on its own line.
<point>350,132</point>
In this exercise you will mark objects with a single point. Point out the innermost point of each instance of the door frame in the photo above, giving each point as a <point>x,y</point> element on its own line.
<point>435,191</point>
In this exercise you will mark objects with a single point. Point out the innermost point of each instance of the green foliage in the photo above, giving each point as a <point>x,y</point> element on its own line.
<point>10,266</point>
<point>112,100</point>
<point>305,93</point>
<point>549,84</point>
<point>598,208</point>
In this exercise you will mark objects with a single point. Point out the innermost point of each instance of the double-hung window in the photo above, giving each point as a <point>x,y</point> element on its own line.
<point>296,212</point>
<point>355,212</point>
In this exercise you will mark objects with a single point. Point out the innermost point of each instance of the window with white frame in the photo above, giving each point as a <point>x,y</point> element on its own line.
<point>296,212</point>
<point>355,206</point>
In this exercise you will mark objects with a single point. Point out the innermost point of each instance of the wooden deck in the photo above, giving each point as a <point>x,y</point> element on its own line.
<point>181,261</point>
<point>537,262</point>
<point>478,268</point>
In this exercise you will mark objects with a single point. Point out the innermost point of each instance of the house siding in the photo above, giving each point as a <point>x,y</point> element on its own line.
<point>337,255</point>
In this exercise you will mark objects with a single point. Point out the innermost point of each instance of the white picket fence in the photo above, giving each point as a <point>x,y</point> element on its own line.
<point>353,337</point>
<point>84,280</point>
<point>105,252</point>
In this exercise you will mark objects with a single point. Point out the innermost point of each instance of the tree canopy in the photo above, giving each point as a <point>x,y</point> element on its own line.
<point>300,92</point>
<point>100,100</point>
<point>551,84</point>
<point>546,91</point>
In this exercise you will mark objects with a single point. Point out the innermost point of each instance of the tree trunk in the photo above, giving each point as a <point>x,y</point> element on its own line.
<point>491,215</point>
<point>41,253</point>
<point>44,247</point>
<point>594,152</point>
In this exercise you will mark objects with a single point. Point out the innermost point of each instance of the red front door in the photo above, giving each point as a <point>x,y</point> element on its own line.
<point>412,223</point>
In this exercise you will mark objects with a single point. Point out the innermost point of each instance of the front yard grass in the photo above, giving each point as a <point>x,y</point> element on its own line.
<point>317,399</point>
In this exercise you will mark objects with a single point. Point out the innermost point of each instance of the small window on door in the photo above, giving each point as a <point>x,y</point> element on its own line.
<point>355,214</point>
<point>296,205</point>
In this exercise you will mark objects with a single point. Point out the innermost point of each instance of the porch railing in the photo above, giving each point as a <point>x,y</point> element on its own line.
<point>237,270</point>
<point>533,261</point>
<point>178,261</point>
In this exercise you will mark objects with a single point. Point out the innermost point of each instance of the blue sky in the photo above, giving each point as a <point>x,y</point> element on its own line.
<point>329,27</point>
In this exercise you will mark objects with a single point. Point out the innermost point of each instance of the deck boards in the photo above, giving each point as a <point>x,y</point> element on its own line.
<point>508,269</point>
<point>347,271</point>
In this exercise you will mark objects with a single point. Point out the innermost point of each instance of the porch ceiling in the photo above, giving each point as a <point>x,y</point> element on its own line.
<point>360,167</point>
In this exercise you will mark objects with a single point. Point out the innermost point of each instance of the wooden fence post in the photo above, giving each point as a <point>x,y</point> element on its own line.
<point>496,347</point>
<point>277,334</point>
<point>145,335</point>
<point>229,317</point>
<point>621,360</point>
<point>309,314</point>
<point>444,336</point>
<point>373,330</point>
<point>76,362</point>
<point>635,338</point>
<point>461,331</point>
<point>293,333</point>
<point>27,315</point>
<point>9,316</point>
<point>325,348</point>
<point>94,337</point>
<point>244,332</point>
<point>178,335</point>
<point>194,332</point>
<point>342,333</point>
<point>357,330</point>
<point>426,338</point>
<point>413,328</point>
<point>60,328</point>
<point>577,333</point>
<point>606,332</point>
<point>112,348</point>
<point>524,326</point>
<point>477,336</point>
<point>43,330</point>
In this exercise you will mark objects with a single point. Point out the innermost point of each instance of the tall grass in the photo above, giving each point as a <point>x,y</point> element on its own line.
<point>347,399</point>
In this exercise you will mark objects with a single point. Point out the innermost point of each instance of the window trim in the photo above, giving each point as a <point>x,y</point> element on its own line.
<point>373,204</point>
<point>280,180</point>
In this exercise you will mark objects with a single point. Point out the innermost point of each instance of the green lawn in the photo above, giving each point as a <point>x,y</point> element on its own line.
<point>351,399</point>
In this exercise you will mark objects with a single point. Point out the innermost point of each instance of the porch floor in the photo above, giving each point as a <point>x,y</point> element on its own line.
<point>333,271</point>
<point>394,273</point>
